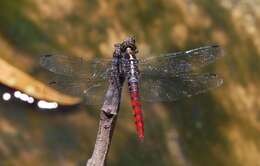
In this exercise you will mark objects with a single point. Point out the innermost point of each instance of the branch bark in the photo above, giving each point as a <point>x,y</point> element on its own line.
<point>110,108</point>
<point>108,117</point>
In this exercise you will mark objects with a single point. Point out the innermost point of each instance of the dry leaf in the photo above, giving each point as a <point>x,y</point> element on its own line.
<point>15,78</point>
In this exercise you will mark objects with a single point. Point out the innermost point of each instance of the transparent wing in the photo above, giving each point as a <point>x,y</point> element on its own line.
<point>91,91</point>
<point>78,77</point>
<point>75,66</point>
<point>163,87</point>
<point>181,62</point>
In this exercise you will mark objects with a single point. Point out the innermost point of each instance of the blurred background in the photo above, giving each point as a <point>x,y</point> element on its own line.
<point>220,127</point>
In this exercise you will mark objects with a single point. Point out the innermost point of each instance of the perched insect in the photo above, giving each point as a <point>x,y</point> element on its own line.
<point>168,77</point>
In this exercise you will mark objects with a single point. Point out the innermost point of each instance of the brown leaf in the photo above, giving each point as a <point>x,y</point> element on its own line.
<point>15,78</point>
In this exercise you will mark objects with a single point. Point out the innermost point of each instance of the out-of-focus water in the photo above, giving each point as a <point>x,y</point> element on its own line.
<point>220,127</point>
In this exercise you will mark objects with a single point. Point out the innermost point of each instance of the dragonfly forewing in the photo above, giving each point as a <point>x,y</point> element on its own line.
<point>181,62</point>
<point>75,66</point>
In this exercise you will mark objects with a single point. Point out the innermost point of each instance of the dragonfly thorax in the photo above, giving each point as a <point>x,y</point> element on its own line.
<point>130,65</point>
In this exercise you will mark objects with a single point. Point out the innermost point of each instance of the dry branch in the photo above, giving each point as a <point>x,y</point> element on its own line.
<point>108,117</point>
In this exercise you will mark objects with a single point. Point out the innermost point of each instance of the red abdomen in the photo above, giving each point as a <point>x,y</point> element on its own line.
<point>137,110</point>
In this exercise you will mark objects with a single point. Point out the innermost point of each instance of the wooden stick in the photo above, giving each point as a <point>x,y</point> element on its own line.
<point>108,116</point>
<point>110,108</point>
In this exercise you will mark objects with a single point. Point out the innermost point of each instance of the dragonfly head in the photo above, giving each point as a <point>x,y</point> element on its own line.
<point>129,49</point>
<point>129,42</point>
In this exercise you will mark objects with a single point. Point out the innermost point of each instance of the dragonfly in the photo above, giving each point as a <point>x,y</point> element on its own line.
<point>165,78</point>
